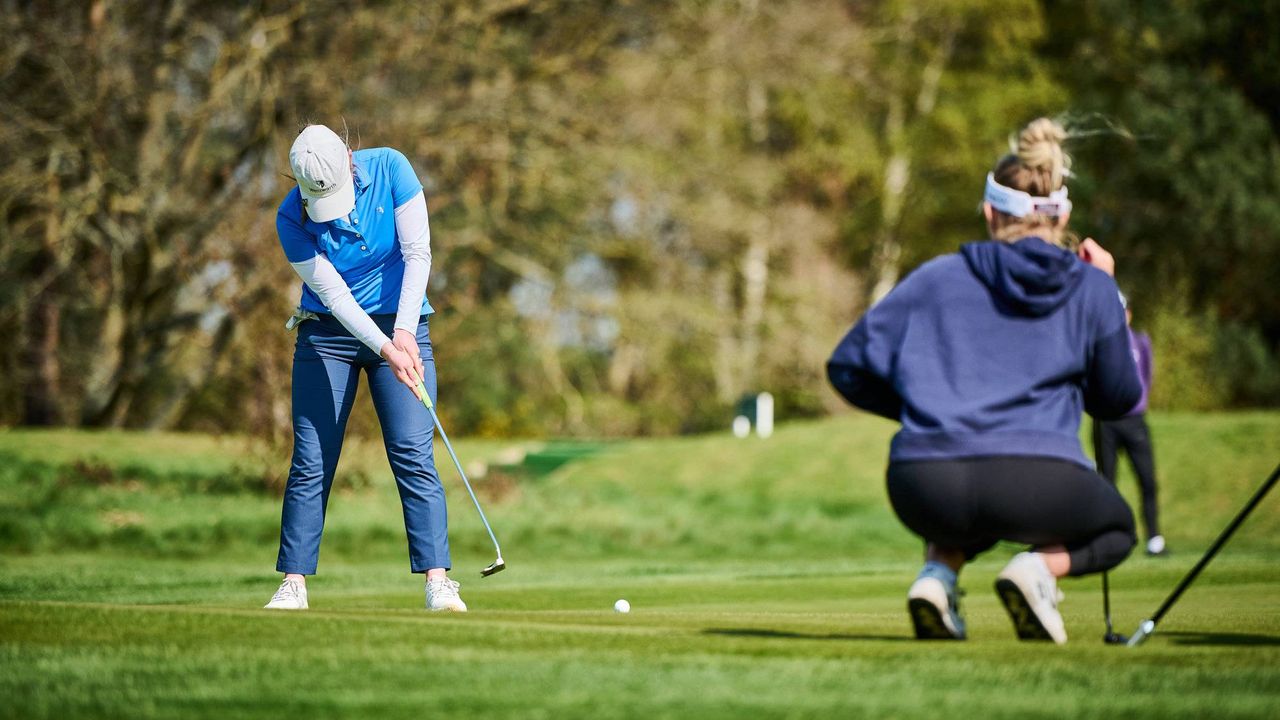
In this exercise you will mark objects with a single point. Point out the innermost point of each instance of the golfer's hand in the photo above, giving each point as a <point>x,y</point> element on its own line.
<point>1094,254</point>
<point>408,344</point>
<point>403,366</point>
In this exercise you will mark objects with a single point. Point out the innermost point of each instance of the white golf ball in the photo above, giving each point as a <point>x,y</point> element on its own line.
<point>622,606</point>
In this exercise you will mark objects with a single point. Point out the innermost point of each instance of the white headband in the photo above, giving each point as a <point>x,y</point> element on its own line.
<point>1020,204</point>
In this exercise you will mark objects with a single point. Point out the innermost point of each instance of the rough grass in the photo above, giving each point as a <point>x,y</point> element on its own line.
<point>767,579</point>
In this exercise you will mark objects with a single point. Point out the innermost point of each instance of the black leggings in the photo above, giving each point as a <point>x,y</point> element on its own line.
<point>969,504</point>
<point>1131,434</point>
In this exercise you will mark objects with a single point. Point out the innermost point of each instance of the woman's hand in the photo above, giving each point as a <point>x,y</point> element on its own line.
<point>405,366</point>
<point>1094,254</point>
<point>408,344</point>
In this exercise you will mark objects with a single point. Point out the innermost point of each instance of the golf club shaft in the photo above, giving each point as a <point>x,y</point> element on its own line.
<point>426,402</point>
<point>1106,602</point>
<point>465,482</point>
<point>1217,545</point>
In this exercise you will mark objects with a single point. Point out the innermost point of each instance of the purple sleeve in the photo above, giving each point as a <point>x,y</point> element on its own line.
<point>1146,360</point>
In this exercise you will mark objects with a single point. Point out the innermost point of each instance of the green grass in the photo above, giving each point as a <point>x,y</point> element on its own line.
<point>707,639</point>
<point>767,580</point>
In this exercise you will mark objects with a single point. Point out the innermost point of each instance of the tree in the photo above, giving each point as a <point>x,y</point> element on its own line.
<point>1182,182</point>
<point>134,134</point>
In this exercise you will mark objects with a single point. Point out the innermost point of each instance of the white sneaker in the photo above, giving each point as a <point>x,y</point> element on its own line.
<point>443,595</point>
<point>1031,596</point>
<point>292,595</point>
<point>934,611</point>
<point>1155,546</point>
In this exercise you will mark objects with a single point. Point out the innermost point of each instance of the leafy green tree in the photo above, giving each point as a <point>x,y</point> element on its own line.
<point>640,210</point>
<point>1182,179</point>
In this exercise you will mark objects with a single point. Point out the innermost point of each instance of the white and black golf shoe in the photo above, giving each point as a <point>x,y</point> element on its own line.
<point>1030,595</point>
<point>934,610</point>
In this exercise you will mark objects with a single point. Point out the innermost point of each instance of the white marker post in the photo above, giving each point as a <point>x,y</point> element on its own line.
<point>764,415</point>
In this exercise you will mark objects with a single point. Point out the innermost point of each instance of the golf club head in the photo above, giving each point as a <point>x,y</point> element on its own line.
<point>1112,638</point>
<point>494,567</point>
<point>1146,628</point>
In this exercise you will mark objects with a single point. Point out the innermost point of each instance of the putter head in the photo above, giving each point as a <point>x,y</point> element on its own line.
<point>494,567</point>
<point>1112,638</point>
<point>1146,628</point>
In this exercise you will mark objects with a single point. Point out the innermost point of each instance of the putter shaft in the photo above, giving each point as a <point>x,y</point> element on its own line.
<point>1106,602</point>
<point>1149,626</point>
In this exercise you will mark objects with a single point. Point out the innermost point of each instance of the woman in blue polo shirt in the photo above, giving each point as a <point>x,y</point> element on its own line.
<point>355,230</point>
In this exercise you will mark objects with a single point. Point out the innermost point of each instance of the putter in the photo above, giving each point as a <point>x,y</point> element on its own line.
<point>1148,626</point>
<point>1111,637</point>
<point>497,565</point>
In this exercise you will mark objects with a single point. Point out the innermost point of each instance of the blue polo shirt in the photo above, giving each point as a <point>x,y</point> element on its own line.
<point>362,246</point>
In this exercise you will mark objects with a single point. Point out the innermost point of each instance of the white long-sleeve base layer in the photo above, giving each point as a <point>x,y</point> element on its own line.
<point>414,233</point>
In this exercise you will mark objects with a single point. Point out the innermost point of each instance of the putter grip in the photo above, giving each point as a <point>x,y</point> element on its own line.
<point>426,399</point>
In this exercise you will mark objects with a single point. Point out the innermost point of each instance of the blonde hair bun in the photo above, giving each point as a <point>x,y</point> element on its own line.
<point>1039,149</point>
<point>1036,165</point>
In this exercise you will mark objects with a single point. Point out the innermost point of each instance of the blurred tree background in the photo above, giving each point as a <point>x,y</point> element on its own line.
<point>640,210</point>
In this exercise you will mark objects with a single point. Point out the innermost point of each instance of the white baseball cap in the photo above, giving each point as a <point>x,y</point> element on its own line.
<point>322,168</point>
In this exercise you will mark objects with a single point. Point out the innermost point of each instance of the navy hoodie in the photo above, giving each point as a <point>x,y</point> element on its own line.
<point>994,350</point>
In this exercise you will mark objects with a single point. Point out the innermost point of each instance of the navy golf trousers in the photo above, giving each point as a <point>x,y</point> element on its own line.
<point>327,361</point>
